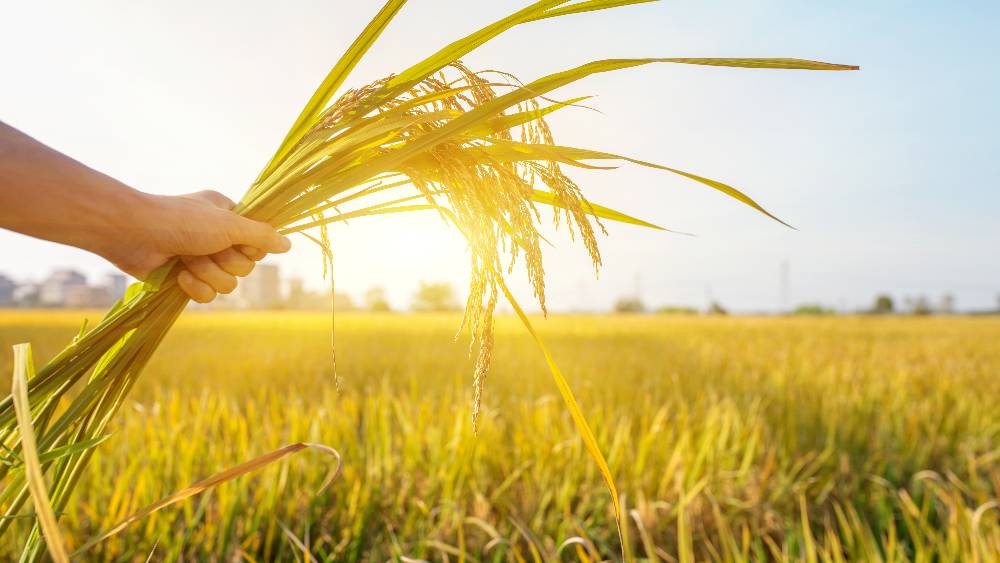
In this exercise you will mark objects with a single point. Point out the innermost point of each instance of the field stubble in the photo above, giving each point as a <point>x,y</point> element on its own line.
<point>807,439</point>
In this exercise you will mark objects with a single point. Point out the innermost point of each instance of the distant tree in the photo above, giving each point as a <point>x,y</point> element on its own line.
<point>435,297</point>
<point>375,300</point>
<point>342,301</point>
<point>716,308</point>
<point>300,298</point>
<point>629,305</point>
<point>883,305</point>
<point>918,305</point>
<point>813,309</point>
<point>676,310</point>
<point>947,304</point>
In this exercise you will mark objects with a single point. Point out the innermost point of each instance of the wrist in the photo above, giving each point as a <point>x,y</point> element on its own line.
<point>121,224</point>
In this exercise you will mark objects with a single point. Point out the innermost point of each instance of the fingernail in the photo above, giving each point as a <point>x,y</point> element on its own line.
<point>286,244</point>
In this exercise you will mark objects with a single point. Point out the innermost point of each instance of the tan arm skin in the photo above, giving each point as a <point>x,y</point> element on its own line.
<point>47,195</point>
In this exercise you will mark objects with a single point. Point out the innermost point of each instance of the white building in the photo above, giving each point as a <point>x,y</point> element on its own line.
<point>61,285</point>
<point>262,288</point>
<point>7,287</point>
<point>116,284</point>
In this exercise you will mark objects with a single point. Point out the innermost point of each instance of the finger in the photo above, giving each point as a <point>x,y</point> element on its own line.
<point>254,233</point>
<point>195,288</point>
<point>215,198</point>
<point>234,262</point>
<point>251,252</point>
<point>206,270</point>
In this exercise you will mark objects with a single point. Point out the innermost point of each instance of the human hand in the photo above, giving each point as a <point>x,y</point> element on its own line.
<point>215,245</point>
<point>46,194</point>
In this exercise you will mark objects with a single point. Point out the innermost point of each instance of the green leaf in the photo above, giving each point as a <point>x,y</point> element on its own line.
<point>67,450</point>
<point>72,449</point>
<point>155,280</point>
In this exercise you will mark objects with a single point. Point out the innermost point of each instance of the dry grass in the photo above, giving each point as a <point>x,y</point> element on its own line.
<point>886,430</point>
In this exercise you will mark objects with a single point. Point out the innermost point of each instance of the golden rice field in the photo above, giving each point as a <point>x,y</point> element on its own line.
<point>833,439</point>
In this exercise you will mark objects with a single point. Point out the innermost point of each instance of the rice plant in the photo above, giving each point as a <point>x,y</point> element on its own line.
<point>885,426</point>
<point>471,146</point>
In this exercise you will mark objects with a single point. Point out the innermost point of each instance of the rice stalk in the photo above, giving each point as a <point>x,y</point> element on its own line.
<point>23,368</point>
<point>472,147</point>
<point>221,477</point>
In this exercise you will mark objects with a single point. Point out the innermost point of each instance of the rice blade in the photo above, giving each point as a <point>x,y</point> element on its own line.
<point>776,63</point>
<point>461,47</point>
<point>589,441</point>
<point>217,479</point>
<point>548,198</point>
<point>505,122</point>
<point>513,150</point>
<point>23,368</point>
<point>374,210</point>
<point>714,184</point>
<point>326,90</point>
<point>589,6</point>
<point>71,449</point>
<point>489,110</point>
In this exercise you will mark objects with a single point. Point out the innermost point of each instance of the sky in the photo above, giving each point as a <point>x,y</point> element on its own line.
<point>890,174</point>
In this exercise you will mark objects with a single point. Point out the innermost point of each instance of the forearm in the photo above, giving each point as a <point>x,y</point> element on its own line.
<point>46,194</point>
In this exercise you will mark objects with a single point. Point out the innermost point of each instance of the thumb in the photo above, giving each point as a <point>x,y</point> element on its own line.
<point>257,234</point>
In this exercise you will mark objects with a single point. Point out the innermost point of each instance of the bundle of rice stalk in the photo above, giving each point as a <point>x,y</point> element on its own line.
<point>471,147</point>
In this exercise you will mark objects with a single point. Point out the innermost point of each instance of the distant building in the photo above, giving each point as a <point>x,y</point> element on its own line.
<point>947,304</point>
<point>76,297</point>
<point>296,293</point>
<point>60,286</point>
<point>99,297</point>
<point>63,288</point>
<point>301,298</point>
<point>262,289</point>
<point>115,284</point>
<point>26,295</point>
<point>7,287</point>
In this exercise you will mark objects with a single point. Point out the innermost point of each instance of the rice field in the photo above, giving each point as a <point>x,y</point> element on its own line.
<point>828,439</point>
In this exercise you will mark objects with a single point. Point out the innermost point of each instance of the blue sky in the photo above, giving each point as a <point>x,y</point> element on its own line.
<point>889,173</point>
